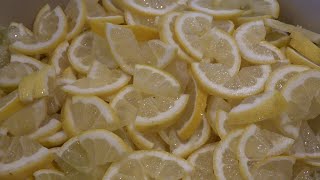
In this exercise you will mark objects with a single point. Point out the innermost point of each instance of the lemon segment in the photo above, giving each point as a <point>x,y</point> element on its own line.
<point>299,59</point>
<point>76,13</point>
<point>10,104</point>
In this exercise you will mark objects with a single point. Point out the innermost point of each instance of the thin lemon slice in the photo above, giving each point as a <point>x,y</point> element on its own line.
<point>280,76</point>
<point>100,81</point>
<point>216,9</point>
<point>54,140</point>
<point>111,7</point>
<point>94,9</point>
<point>189,27</point>
<point>47,174</point>
<point>256,144</point>
<point>150,7</point>
<point>303,171</point>
<point>258,108</point>
<point>143,165</point>
<point>216,80</point>
<point>287,126</point>
<point>225,25</point>
<point>202,162</point>
<point>152,52</point>
<point>140,19</point>
<point>91,146</point>
<point>20,58</point>
<point>76,13</point>
<point>37,26</point>
<point>18,32</point>
<point>167,34</point>
<point>49,128</point>
<point>53,31</point>
<point>9,104</point>
<point>183,148</point>
<point>98,24</point>
<point>29,157</point>
<point>59,59</point>
<point>78,115</point>
<point>68,76</point>
<point>253,47</point>
<point>12,73</point>
<point>303,95</point>
<point>180,70</point>
<point>27,120</point>
<point>225,162</point>
<point>145,77</point>
<point>299,59</point>
<point>56,99</point>
<point>278,38</point>
<point>191,119</point>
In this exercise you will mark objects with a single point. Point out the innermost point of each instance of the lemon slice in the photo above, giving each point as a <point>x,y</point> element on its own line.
<point>98,24</point>
<point>179,69</point>
<point>76,13</point>
<point>225,25</point>
<point>216,80</point>
<point>144,79</point>
<point>68,76</point>
<point>278,167</point>
<point>189,28</point>
<point>12,73</point>
<point>280,76</point>
<point>184,148</point>
<point>303,171</point>
<point>9,105</point>
<point>37,26</point>
<point>152,52</point>
<point>94,9</point>
<point>59,59</point>
<point>225,162</point>
<point>150,7</point>
<point>253,47</point>
<point>216,9</point>
<point>302,95</point>
<point>91,146</point>
<point>77,116</point>
<point>26,120</point>
<point>299,59</point>
<point>167,34</point>
<point>53,31</point>
<point>46,174</point>
<point>100,81</point>
<point>56,99</point>
<point>258,108</point>
<point>29,157</point>
<point>111,7</point>
<point>143,165</point>
<point>140,19</point>
<point>278,38</point>
<point>49,128</point>
<point>18,32</point>
<point>256,144</point>
<point>32,62</point>
<point>54,140</point>
<point>86,48</point>
<point>37,85</point>
<point>191,119</point>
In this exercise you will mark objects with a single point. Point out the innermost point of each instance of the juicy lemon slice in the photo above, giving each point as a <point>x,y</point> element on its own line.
<point>180,70</point>
<point>299,59</point>
<point>29,157</point>
<point>98,24</point>
<point>225,162</point>
<point>253,47</point>
<point>139,19</point>
<point>59,59</point>
<point>47,174</point>
<point>12,74</point>
<point>54,140</point>
<point>280,76</point>
<point>76,13</point>
<point>216,80</point>
<point>258,108</point>
<point>94,9</point>
<point>278,38</point>
<point>92,147</point>
<point>78,115</point>
<point>225,25</point>
<point>152,52</point>
<point>142,165</point>
<point>52,30</point>
<point>32,62</point>
<point>10,104</point>
<point>111,7</point>
<point>49,128</point>
<point>56,99</point>
<point>256,144</point>
<point>100,81</point>
<point>144,79</point>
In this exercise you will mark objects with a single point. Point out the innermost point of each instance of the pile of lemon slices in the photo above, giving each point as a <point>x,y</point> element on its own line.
<point>166,89</point>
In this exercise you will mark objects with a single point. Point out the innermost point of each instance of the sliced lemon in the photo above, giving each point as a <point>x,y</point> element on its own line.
<point>142,165</point>
<point>303,171</point>
<point>56,99</point>
<point>144,79</point>
<point>225,162</point>
<point>9,105</point>
<point>179,69</point>
<point>150,7</point>
<point>29,157</point>
<point>216,80</point>
<point>245,18</point>
<point>59,59</point>
<point>299,59</point>
<point>37,26</point>
<point>202,161</point>
<point>27,120</point>
<point>32,62</point>
<point>98,24</point>
<point>12,73</point>
<point>49,128</point>
<point>216,9</point>
<point>258,108</point>
<point>225,25</point>
<point>253,47</point>
<point>81,113</point>
<point>68,76</point>
<point>303,95</point>
<point>167,34</point>
<point>56,139</point>
<point>140,19</point>
<point>94,9</point>
<point>111,7</point>
<point>52,30</point>
<point>191,119</point>
<point>18,32</point>
<point>184,148</point>
<point>287,126</point>
<point>76,12</point>
<point>280,76</point>
<point>278,38</point>
<point>91,146</point>
<point>257,144</point>
<point>152,52</point>
<point>47,174</point>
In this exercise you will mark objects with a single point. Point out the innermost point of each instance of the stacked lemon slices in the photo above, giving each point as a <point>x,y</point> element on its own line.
<point>166,89</point>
